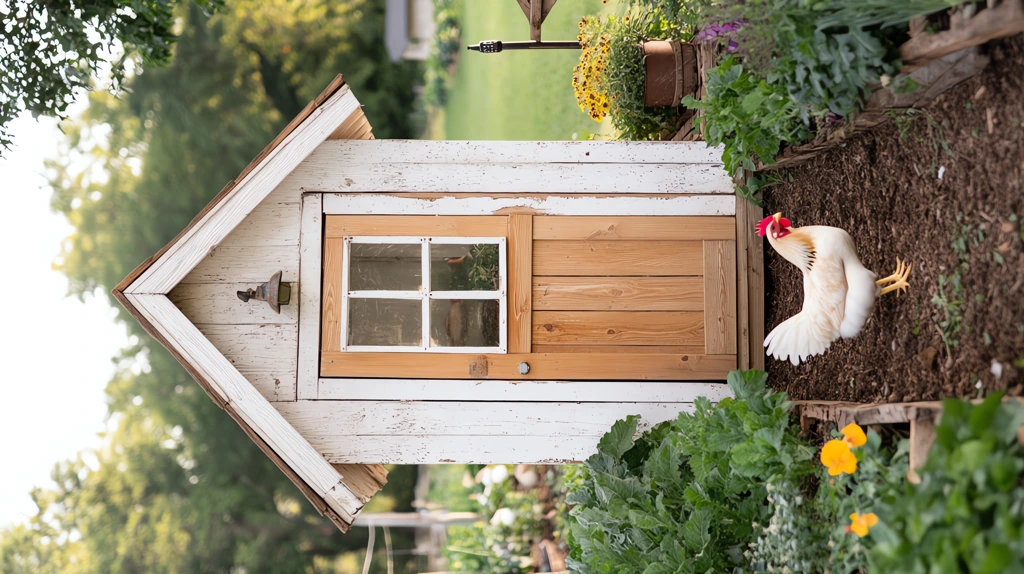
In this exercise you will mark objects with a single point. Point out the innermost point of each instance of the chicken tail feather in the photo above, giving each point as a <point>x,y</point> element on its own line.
<point>798,338</point>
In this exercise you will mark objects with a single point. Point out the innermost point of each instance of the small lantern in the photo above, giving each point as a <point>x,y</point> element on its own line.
<point>273,292</point>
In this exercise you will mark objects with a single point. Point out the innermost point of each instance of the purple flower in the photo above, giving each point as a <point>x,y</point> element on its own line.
<point>732,47</point>
<point>718,29</point>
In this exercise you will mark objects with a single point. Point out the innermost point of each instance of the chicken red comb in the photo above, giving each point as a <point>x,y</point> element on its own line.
<point>762,226</point>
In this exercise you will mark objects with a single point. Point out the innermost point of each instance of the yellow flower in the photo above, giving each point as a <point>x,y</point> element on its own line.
<point>860,524</point>
<point>853,435</point>
<point>837,456</point>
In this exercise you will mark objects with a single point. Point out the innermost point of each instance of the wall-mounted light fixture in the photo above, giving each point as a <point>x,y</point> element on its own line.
<point>274,292</point>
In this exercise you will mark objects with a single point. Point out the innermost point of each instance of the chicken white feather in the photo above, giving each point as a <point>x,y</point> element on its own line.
<point>839,292</point>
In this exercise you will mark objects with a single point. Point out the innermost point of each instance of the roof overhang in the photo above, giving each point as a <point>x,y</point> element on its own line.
<point>143,293</point>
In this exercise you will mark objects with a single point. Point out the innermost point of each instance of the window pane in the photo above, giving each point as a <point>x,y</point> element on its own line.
<point>464,323</point>
<point>385,322</point>
<point>464,267</point>
<point>381,266</point>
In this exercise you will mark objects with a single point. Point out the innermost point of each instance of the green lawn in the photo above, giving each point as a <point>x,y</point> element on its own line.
<point>523,95</point>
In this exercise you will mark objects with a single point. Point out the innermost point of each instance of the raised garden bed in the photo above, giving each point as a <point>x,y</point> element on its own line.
<point>943,188</point>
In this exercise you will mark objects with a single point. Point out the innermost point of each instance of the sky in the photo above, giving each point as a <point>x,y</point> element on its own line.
<point>55,350</point>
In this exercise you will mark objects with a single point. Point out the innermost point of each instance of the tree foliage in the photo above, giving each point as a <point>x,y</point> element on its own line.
<point>178,487</point>
<point>51,50</point>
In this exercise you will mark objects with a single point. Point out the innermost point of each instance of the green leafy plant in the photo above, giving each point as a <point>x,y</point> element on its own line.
<point>51,50</point>
<point>751,117</point>
<point>444,52</point>
<point>966,514</point>
<point>685,496</point>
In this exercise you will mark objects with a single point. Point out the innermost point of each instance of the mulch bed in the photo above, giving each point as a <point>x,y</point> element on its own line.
<point>884,189</point>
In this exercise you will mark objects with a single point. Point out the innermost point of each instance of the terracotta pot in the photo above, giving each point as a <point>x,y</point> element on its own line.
<point>670,72</point>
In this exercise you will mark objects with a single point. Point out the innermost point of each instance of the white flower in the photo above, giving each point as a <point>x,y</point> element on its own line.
<point>504,516</point>
<point>499,474</point>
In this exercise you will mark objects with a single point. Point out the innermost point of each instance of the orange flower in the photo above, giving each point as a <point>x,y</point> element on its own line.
<point>853,435</point>
<point>837,456</point>
<point>860,524</point>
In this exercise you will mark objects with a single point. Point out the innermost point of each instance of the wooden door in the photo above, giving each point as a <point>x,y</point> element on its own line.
<point>585,298</point>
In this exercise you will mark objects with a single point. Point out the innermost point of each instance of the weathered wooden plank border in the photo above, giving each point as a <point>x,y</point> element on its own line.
<point>394,204</point>
<point>518,391</point>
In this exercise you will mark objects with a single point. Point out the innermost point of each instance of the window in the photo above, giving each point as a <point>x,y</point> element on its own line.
<point>423,294</point>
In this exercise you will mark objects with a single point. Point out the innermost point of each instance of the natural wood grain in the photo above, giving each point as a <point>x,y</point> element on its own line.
<point>755,289</point>
<point>536,16</point>
<point>364,480</point>
<point>505,204</point>
<point>310,277</point>
<point>618,328</point>
<point>263,354</point>
<point>1003,20</point>
<point>742,282</point>
<point>606,349</point>
<point>546,366</point>
<point>720,297</point>
<point>617,258</point>
<point>634,228</point>
<point>922,437</point>
<point>520,292</point>
<point>218,303</point>
<point>355,127</point>
<point>330,337</point>
<point>416,225</point>
<point>521,391</point>
<point>618,294</point>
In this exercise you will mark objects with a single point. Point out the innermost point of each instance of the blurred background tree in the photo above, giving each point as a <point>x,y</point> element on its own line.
<point>178,486</point>
<point>51,50</point>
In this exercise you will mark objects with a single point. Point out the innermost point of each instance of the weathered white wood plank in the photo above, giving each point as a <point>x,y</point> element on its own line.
<point>320,419</point>
<point>323,173</point>
<point>518,391</point>
<point>263,354</point>
<point>218,303</point>
<point>378,204</point>
<point>423,151</point>
<point>247,265</point>
<point>248,403</point>
<point>458,449</point>
<point>310,270</point>
<point>190,249</point>
<point>271,223</point>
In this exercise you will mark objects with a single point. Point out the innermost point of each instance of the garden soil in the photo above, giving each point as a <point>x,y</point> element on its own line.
<point>943,189</point>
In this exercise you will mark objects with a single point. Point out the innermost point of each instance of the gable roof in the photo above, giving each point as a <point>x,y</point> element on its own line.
<point>337,491</point>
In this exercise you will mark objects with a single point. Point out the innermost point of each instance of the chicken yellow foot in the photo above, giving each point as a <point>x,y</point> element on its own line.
<point>898,280</point>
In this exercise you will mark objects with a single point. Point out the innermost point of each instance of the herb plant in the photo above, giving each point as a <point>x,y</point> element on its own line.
<point>685,496</point>
<point>733,488</point>
<point>749,115</point>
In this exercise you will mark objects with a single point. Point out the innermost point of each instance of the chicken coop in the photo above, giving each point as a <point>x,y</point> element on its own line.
<point>354,302</point>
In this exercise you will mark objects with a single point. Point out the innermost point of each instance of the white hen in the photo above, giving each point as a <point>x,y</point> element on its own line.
<point>839,292</point>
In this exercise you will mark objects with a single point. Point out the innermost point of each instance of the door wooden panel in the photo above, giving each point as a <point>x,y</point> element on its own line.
<point>618,328</point>
<point>617,258</point>
<point>618,294</point>
<point>589,298</point>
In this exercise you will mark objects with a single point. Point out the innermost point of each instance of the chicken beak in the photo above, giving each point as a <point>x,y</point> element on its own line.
<point>777,216</point>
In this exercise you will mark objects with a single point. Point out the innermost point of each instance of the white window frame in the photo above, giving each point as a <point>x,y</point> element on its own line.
<point>425,294</point>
